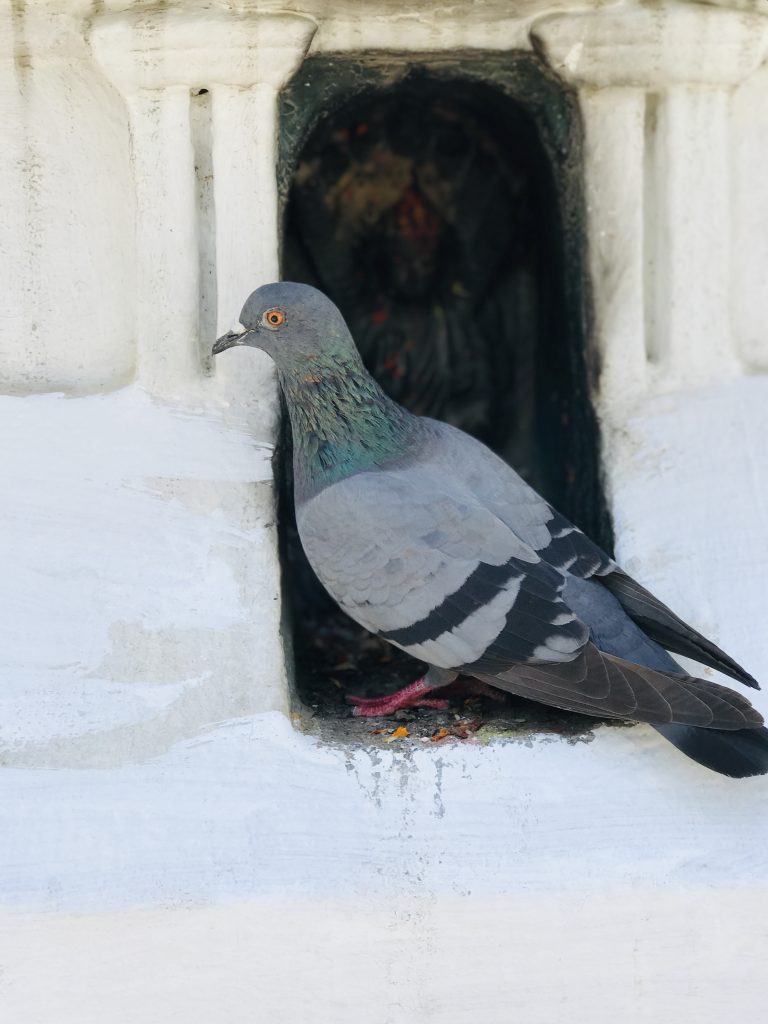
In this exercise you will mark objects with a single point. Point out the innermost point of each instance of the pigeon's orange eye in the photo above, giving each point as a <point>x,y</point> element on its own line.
<point>274,318</point>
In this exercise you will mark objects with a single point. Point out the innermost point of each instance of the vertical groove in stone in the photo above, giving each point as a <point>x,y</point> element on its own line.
<point>206,223</point>
<point>652,234</point>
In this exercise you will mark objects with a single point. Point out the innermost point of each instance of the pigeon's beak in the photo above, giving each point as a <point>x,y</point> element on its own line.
<point>229,340</point>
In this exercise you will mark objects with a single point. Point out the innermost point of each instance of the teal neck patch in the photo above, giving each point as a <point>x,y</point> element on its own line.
<point>342,422</point>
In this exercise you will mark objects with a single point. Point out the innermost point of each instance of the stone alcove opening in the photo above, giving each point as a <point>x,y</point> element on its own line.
<point>439,203</point>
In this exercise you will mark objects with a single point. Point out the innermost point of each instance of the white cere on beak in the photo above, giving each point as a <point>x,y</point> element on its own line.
<point>237,328</point>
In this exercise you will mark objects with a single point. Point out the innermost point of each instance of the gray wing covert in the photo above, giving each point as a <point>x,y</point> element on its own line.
<point>435,572</point>
<point>555,539</point>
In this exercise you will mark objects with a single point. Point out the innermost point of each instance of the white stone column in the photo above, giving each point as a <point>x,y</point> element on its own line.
<point>167,243</point>
<point>688,219</point>
<point>749,272</point>
<point>244,160</point>
<point>615,124</point>
<point>156,61</point>
<point>654,88</point>
<point>159,61</point>
<point>245,134</point>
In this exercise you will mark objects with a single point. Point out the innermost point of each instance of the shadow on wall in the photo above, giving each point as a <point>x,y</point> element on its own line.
<point>439,204</point>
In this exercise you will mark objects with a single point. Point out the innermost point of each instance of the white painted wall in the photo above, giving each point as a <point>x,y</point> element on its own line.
<point>749,205</point>
<point>67,306</point>
<point>172,846</point>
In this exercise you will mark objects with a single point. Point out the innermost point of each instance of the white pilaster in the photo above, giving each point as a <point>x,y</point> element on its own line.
<point>687,216</point>
<point>614,122</point>
<point>749,194</point>
<point>244,163</point>
<point>157,60</point>
<point>166,238</point>
<point>244,132</point>
<point>655,87</point>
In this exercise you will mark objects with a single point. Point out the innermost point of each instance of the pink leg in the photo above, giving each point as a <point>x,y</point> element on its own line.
<point>412,696</point>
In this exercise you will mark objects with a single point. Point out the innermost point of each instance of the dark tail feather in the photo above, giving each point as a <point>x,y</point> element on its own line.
<point>738,753</point>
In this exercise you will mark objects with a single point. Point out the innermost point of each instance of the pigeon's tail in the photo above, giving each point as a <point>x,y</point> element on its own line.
<point>739,753</point>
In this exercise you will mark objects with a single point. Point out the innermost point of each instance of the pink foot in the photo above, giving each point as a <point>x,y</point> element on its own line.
<point>411,696</point>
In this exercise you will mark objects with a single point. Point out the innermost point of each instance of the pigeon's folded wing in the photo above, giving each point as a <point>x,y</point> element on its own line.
<point>596,683</point>
<point>433,571</point>
<point>503,491</point>
<point>563,545</point>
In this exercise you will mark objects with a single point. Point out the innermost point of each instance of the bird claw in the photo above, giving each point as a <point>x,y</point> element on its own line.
<point>414,696</point>
<point>372,707</point>
<point>411,696</point>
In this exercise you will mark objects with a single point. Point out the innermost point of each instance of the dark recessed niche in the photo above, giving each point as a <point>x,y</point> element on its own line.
<point>439,203</point>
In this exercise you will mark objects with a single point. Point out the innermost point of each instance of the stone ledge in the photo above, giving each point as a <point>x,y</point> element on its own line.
<point>653,47</point>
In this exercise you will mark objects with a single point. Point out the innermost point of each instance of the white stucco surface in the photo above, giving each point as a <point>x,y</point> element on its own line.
<point>170,852</point>
<point>133,537</point>
<point>172,845</point>
<point>65,255</point>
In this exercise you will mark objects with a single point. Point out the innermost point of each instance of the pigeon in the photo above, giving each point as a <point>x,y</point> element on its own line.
<point>430,540</point>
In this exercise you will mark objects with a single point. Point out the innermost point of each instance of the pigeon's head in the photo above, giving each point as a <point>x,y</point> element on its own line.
<point>292,323</point>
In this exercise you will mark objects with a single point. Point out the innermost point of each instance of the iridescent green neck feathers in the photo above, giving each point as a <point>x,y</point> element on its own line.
<point>341,420</point>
